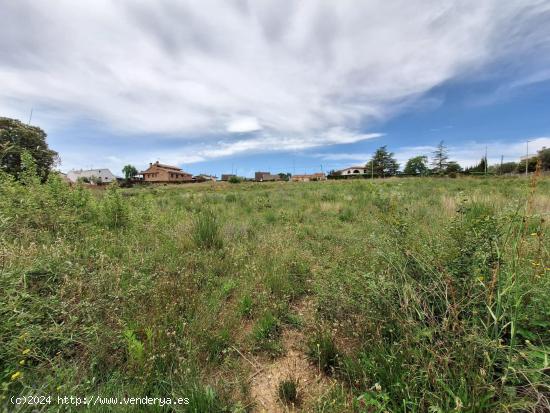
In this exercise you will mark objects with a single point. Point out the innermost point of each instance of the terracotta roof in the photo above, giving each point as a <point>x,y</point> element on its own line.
<point>308,175</point>
<point>167,167</point>
<point>161,165</point>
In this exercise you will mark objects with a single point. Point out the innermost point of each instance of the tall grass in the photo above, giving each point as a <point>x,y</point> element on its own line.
<point>206,232</point>
<point>425,295</point>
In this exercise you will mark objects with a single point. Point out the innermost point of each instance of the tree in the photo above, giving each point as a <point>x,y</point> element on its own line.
<point>479,168</point>
<point>440,158</point>
<point>453,168</point>
<point>285,177</point>
<point>531,164</point>
<point>15,138</point>
<point>544,157</point>
<point>507,168</point>
<point>129,172</point>
<point>416,166</point>
<point>383,163</point>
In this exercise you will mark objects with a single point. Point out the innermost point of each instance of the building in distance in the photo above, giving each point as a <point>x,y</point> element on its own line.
<point>354,170</point>
<point>319,176</point>
<point>92,176</point>
<point>265,177</point>
<point>205,178</point>
<point>227,177</point>
<point>158,172</point>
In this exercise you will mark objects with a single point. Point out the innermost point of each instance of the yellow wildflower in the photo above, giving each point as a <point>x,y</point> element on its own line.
<point>22,362</point>
<point>15,375</point>
<point>27,351</point>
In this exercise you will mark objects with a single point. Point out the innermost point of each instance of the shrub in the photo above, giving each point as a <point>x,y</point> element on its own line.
<point>114,209</point>
<point>235,180</point>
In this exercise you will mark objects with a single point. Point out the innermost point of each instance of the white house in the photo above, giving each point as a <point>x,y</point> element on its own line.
<point>105,176</point>
<point>355,170</point>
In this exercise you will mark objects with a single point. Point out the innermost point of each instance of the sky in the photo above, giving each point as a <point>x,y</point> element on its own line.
<point>237,86</point>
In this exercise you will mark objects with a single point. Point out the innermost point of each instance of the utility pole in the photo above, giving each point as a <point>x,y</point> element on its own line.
<point>30,117</point>
<point>501,162</point>
<point>372,170</point>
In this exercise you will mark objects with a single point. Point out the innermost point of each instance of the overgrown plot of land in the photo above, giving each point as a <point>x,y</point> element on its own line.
<point>393,295</point>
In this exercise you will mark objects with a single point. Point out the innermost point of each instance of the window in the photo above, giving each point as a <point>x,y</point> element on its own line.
<point>356,171</point>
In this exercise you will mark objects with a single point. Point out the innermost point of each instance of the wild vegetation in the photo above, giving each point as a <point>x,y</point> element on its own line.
<point>403,295</point>
<point>16,138</point>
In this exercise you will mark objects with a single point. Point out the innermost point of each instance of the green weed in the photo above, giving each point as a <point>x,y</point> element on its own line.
<point>288,391</point>
<point>207,231</point>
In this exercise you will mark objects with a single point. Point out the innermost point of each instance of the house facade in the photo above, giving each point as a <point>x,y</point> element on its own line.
<point>265,176</point>
<point>205,178</point>
<point>320,176</point>
<point>354,170</point>
<point>95,176</point>
<point>158,172</point>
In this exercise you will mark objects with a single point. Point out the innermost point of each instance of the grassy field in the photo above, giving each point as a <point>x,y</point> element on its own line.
<point>398,295</point>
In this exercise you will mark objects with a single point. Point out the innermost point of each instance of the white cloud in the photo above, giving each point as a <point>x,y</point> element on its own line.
<point>186,68</point>
<point>288,75</point>
<point>194,153</point>
<point>364,157</point>
<point>242,125</point>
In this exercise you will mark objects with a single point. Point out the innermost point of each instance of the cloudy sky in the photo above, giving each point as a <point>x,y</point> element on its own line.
<point>280,85</point>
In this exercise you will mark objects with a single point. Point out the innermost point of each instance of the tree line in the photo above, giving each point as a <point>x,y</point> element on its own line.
<point>383,164</point>
<point>17,138</point>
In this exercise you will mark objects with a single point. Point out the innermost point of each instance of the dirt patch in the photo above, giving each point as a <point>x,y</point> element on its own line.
<point>294,364</point>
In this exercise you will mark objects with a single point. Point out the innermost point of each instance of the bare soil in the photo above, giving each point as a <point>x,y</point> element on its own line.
<point>294,364</point>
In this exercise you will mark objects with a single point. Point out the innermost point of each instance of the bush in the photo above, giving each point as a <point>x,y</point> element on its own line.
<point>234,180</point>
<point>114,209</point>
